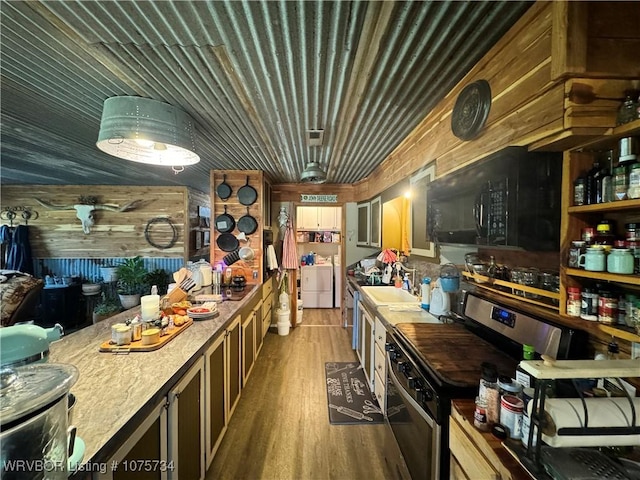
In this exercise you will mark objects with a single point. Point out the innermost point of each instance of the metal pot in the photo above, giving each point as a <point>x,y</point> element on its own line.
<point>24,344</point>
<point>34,419</point>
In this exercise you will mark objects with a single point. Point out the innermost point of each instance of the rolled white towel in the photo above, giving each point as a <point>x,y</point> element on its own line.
<point>272,260</point>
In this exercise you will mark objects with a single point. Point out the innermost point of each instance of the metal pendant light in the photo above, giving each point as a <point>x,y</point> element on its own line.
<point>313,174</point>
<point>147,131</point>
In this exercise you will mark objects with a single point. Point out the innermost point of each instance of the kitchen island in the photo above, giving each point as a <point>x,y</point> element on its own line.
<point>116,392</point>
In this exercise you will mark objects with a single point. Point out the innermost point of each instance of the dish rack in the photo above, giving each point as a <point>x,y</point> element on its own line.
<point>545,371</point>
<point>524,293</point>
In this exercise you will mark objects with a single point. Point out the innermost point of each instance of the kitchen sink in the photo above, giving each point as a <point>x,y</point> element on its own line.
<point>388,295</point>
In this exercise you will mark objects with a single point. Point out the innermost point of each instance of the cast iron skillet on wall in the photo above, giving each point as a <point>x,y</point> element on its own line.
<point>225,222</point>
<point>247,223</point>
<point>227,242</point>
<point>224,190</point>
<point>247,194</point>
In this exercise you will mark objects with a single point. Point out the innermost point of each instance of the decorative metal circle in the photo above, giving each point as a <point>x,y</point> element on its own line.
<point>471,110</point>
<point>147,233</point>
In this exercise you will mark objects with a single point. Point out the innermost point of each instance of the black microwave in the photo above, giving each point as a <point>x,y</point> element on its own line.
<point>511,198</point>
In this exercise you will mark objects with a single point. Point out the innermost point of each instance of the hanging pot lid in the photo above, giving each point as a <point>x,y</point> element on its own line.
<point>26,389</point>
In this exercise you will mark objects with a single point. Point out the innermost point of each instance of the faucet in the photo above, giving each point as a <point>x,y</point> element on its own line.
<point>399,267</point>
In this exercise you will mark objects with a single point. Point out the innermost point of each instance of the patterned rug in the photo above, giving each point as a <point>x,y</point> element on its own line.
<point>350,401</point>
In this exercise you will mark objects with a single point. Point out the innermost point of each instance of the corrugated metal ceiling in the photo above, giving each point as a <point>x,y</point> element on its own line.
<point>255,76</point>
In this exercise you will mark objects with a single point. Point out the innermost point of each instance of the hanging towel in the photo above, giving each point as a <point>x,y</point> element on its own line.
<point>272,260</point>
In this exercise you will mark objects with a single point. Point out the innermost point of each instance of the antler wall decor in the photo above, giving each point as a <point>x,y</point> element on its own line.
<point>86,207</point>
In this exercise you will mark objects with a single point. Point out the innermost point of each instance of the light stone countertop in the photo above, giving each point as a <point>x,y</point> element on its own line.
<point>112,390</point>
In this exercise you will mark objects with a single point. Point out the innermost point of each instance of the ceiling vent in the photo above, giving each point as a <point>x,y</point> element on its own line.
<point>315,137</point>
<point>313,174</point>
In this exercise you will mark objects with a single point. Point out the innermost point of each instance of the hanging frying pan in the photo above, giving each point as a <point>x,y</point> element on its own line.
<point>224,189</point>
<point>247,224</point>
<point>247,194</point>
<point>225,222</point>
<point>227,242</point>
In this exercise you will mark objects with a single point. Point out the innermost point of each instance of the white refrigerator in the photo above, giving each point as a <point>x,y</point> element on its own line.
<point>316,286</point>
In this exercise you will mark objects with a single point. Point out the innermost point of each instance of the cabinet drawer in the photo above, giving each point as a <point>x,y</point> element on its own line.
<point>467,455</point>
<point>381,333</point>
<point>379,390</point>
<point>380,362</point>
<point>267,288</point>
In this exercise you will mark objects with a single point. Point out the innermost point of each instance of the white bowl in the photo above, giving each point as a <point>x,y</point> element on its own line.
<point>91,288</point>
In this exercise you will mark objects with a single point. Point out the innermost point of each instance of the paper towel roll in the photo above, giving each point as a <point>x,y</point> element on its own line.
<point>603,412</point>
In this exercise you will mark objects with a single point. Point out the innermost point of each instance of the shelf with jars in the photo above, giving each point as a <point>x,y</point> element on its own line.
<point>600,251</point>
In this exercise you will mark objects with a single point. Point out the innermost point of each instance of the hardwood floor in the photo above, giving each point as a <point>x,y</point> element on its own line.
<point>281,429</point>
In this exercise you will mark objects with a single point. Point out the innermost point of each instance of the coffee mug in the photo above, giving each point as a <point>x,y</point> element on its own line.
<point>593,260</point>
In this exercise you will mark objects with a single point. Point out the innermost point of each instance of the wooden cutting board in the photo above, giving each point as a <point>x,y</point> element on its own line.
<point>453,353</point>
<point>137,346</point>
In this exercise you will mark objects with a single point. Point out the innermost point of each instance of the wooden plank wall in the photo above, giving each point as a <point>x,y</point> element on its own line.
<point>58,233</point>
<point>237,179</point>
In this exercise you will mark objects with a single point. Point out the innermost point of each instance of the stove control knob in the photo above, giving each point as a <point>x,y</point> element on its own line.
<point>426,393</point>
<point>414,383</point>
<point>405,367</point>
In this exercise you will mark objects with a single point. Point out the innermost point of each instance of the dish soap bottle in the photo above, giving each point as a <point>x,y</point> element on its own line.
<point>425,293</point>
<point>406,284</point>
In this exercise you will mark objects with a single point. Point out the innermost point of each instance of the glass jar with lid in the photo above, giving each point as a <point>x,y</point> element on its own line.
<point>604,235</point>
<point>627,111</point>
<point>634,181</point>
<point>620,183</point>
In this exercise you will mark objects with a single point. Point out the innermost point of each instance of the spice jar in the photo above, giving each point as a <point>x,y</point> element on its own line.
<point>573,301</point>
<point>488,391</point>
<point>607,307</point>
<point>577,248</point>
<point>620,183</point>
<point>627,110</point>
<point>578,191</point>
<point>589,305</point>
<point>634,181</point>
<point>480,415</point>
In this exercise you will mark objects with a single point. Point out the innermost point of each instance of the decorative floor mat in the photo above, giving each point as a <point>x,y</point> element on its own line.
<point>350,401</point>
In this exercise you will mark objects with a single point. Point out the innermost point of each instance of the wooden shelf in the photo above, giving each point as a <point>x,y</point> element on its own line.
<point>604,276</point>
<point>582,368</point>
<point>605,139</point>
<point>618,206</point>
<point>617,331</point>
<point>547,298</point>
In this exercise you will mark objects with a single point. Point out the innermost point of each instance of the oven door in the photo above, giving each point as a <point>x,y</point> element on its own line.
<point>416,434</point>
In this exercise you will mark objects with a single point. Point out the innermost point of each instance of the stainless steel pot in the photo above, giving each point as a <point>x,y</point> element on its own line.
<point>34,421</point>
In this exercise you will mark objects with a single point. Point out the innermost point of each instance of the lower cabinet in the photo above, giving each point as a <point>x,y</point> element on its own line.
<point>258,325</point>
<point>248,345</point>
<point>379,362</point>
<point>186,425</point>
<point>367,344</point>
<point>222,385</point>
<point>169,443</point>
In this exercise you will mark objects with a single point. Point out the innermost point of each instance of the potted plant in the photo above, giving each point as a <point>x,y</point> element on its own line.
<point>91,286</point>
<point>109,273</point>
<point>132,277</point>
<point>105,308</point>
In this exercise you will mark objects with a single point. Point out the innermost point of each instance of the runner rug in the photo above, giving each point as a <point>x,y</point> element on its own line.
<point>350,401</point>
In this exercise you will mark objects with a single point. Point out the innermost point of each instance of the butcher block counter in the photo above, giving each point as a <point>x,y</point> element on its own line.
<point>116,391</point>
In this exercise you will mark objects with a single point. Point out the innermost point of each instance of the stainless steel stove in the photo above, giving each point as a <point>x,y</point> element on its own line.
<point>428,365</point>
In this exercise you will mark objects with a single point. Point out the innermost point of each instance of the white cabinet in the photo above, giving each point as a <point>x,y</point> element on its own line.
<point>379,361</point>
<point>222,385</point>
<point>186,425</point>
<point>421,244</point>
<point>318,218</point>
<point>367,345</point>
<point>316,286</point>
<point>370,223</point>
<point>364,225</point>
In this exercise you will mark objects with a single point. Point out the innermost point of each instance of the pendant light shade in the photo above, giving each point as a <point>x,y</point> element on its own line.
<point>147,131</point>
<point>313,174</point>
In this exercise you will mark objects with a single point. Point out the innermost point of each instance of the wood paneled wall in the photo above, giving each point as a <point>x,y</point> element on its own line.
<point>237,179</point>
<point>58,233</point>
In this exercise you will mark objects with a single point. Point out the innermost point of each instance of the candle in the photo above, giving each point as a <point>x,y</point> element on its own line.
<point>150,307</point>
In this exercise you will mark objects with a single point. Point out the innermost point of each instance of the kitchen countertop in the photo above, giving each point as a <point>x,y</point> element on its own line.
<point>114,392</point>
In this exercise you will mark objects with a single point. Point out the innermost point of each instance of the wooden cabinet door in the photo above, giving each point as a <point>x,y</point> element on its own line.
<point>248,346</point>
<point>257,325</point>
<point>186,425</point>
<point>233,357</point>
<point>147,443</point>
<point>216,393</point>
